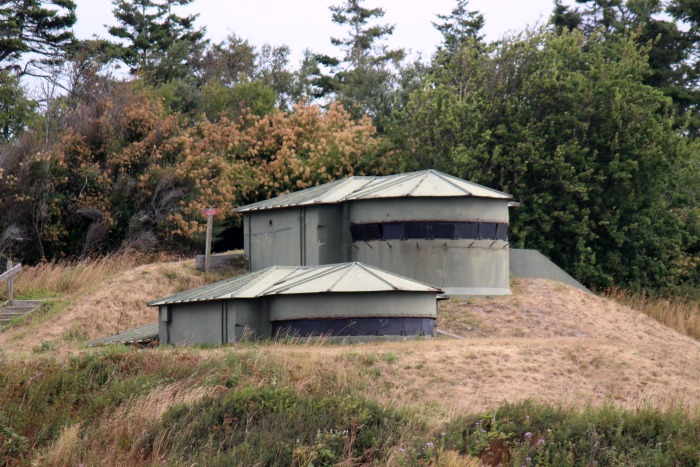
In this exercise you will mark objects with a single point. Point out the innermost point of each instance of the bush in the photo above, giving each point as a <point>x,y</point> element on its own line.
<point>517,434</point>
<point>278,426</point>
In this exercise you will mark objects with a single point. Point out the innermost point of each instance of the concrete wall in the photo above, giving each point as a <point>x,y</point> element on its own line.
<point>434,209</point>
<point>459,267</point>
<point>532,263</point>
<point>214,322</point>
<point>228,321</point>
<point>273,238</point>
<point>251,319</point>
<point>306,236</point>
<point>352,305</point>
<point>192,323</point>
<point>321,234</point>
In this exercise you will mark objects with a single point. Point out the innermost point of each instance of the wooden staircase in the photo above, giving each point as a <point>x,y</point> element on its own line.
<point>17,309</point>
<point>14,309</point>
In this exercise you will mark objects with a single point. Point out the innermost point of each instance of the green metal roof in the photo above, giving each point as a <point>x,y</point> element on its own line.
<point>426,183</point>
<point>145,333</point>
<point>285,280</point>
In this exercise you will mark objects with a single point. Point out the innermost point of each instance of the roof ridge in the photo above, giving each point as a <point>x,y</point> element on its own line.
<point>447,179</point>
<point>393,274</point>
<point>312,274</point>
<point>376,275</point>
<point>268,271</point>
<point>445,176</point>
<point>222,283</point>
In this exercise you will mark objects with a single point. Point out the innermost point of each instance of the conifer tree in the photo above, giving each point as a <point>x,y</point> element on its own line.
<point>362,78</point>
<point>157,43</point>
<point>41,29</point>
<point>460,25</point>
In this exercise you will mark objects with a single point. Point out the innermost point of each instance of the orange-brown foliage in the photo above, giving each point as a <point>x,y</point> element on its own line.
<point>128,167</point>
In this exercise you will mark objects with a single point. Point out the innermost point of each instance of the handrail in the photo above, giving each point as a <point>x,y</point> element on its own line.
<point>8,276</point>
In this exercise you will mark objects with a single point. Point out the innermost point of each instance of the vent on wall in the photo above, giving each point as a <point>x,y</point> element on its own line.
<point>429,230</point>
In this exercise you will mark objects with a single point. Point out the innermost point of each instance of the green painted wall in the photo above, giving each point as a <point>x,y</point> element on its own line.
<point>320,234</point>
<point>352,305</point>
<point>459,267</point>
<point>213,322</point>
<point>455,209</point>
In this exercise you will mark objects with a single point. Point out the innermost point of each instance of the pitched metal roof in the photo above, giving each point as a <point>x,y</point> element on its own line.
<point>426,183</point>
<point>287,280</point>
<point>138,335</point>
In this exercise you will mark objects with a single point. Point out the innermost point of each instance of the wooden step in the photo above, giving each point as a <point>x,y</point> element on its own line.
<point>18,309</point>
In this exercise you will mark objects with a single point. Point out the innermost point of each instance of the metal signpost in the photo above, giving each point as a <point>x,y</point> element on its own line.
<point>210,213</point>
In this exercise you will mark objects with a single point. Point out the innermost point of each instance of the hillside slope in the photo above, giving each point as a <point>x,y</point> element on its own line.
<point>547,341</point>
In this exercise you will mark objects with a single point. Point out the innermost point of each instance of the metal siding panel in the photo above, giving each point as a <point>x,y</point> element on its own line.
<point>393,231</point>
<point>467,230</point>
<point>352,305</point>
<point>428,209</point>
<point>487,231</point>
<point>448,264</point>
<point>443,230</point>
<point>418,230</point>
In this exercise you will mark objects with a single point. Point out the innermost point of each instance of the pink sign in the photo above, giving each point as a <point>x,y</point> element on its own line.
<point>210,211</point>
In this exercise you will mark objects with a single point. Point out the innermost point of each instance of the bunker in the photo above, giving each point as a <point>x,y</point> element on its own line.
<point>425,225</point>
<point>349,299</point>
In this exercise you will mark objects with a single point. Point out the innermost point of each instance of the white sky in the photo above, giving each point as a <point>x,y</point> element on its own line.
<point>305,24</point>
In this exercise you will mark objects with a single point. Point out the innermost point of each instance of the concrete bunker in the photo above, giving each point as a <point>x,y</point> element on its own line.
<point>349,299</point>
<point>425,225</point>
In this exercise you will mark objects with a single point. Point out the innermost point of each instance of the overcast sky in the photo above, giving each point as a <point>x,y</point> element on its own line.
<point>303,24</point>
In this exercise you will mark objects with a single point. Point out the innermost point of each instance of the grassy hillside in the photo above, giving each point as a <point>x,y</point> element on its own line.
<point>550,373</point>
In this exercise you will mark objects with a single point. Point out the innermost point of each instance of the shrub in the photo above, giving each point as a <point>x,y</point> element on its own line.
<point>278,426</point>
<point>517,434</point>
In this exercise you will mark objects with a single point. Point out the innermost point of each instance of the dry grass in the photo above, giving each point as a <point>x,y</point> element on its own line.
<point>134,420</point>
<point>72,276</point>
<point>678,313</point>
<point>547,341</point>
<point>64,449</point>
<point>106,296</point>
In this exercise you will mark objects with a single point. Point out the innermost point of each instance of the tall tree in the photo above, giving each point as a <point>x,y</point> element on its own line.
<point>16,110</point>
<point>567,125</point>
<point>157,43</point>
<point>362,77</point>
<point>40,29</point>
<point>460,25</point>
<point>669,47</point>
<point>688,13</point>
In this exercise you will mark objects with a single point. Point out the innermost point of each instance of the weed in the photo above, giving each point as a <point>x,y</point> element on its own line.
<point>390,357</point>
<point>45,346</point>
<point>369,359</point>
<point>528,432</point>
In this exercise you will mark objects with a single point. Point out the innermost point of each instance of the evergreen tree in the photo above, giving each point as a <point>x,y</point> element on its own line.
<point>669,49</point>
<point>567,125</point>
<point>564,17</point>
<point>16,110</point>
<point>157,43</point>
<point>459,25</point>
<point>41,29</point>
<point>362,78</point>
<point>688,95</point>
